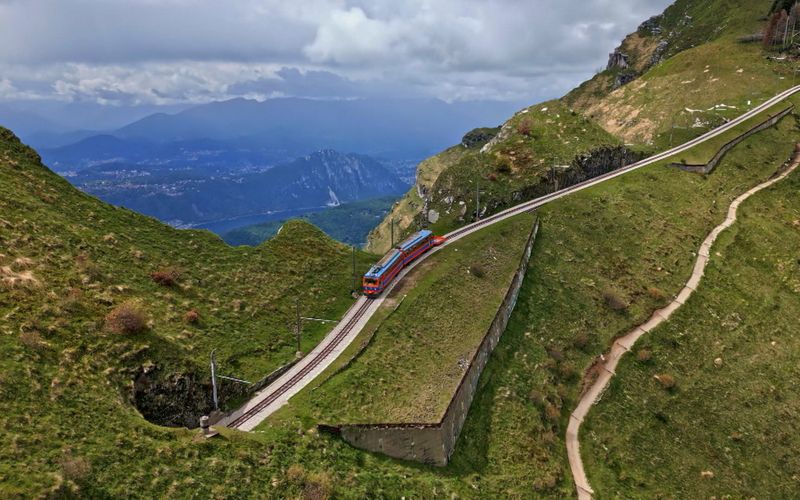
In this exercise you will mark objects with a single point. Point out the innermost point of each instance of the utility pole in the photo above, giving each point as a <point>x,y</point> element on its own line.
<point>392,238</point>
<point>354,269</point>
<point>214,380</point>
<point>478,200</point>
<point>297,308</point>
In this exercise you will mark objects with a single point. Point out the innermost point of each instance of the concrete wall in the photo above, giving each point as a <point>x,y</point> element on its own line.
<point>711,165</point>
<point>434,443</point>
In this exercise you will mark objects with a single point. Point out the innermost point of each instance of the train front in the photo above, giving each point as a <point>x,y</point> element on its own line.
<point>371,283</point>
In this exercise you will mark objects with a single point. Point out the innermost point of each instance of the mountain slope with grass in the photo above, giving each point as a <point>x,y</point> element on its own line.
<point>679,75</point>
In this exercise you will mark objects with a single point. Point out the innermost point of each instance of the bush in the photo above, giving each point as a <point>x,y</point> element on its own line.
<point>644,355</point>
<point>581,340</point>
<point>192,316</point>
<point>492,177</point>
<point>667,381</point>
<point>656,293</point>
<point>33,340</point>
<point>477,271</point>
<point>166,277</point>
<point>295,473</point>
<point>614,300</point>
<point>126,318</point>
<point>75,468</point>
<point>317,487</point>
<point>524,126</point>
<point>504,165</point>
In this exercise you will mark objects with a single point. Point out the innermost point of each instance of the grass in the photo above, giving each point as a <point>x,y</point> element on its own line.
<point>102,256</point>
<point>64,394</point>
<point>734,351</point>
<point>430,327</point>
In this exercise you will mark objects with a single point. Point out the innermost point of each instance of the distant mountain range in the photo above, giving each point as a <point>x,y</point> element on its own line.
<point>242,133</point>
<point>191,198</point>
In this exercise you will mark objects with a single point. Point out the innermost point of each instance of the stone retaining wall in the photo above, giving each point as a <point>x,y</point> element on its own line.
<point>433,443</point>
<point>711,165</point>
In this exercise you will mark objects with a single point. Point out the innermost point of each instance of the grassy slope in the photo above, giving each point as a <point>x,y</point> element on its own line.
<point>634,235</point>
<point>736,420</point>
<point>62,368</point>
<point>379,240</point>
<point>348,223</point>
<point>648,113</point>
<point>707,67</point>
<point>411,367</point>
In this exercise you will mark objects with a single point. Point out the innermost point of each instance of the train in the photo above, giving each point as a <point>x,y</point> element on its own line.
<point>381,274</point>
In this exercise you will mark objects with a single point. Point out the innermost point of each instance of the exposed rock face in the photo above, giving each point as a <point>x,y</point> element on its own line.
<point>624,79</point>
<point>659,53</point>
<point>652,26</point>
<point>617,60</point>
<point>177,399</point>
<point>478,137</point>
<point>597,162</point>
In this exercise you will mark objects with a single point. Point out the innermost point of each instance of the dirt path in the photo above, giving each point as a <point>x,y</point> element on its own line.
<point>625,344</point>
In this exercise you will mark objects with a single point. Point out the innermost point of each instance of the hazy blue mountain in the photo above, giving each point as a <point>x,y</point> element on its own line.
<point>107,149</point>
<point>191,197</point>
<point>389,127</point>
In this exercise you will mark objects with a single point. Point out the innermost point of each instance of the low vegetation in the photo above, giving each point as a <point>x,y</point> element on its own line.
<point>726,427</point>
<point>429,330</point>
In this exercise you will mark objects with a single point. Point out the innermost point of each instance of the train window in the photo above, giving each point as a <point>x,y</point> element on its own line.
<point>370,281</point>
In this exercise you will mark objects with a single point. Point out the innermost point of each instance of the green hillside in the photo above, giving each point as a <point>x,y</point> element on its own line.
<point>604,259</point>
<point>687,72</point>
<point>734,352</point>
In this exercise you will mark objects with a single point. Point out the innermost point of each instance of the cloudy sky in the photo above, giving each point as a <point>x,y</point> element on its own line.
<point>168,52</point>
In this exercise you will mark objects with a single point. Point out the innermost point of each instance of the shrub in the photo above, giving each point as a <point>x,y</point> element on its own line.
<point>166,277</point>
<point>667,381</point>
<point>567,371</point>
<point>295,473</point>
<point>33,340</point>
<point>644,355</point>
<point>552,412</point>
<point>614,300</point>
<point>75,468</point>
<point>581,340</point>
<point>317,487</point>
<point>492,177</point>
<point>126,318</point>
<point>192,316</point>
<point>655,293</point>
<point>504,165</point>
<point>477,271</point>
<point>524,126</point>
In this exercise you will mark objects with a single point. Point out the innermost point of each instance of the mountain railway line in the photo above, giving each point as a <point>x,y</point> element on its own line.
<point>270,399</point>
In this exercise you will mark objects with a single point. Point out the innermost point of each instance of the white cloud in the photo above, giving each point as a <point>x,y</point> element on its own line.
<point>169,51</point>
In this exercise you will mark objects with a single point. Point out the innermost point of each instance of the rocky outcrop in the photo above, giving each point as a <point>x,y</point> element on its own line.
<point>587,166</point>
<point>178,399</point>
<point>478,137</point>
<point>617,60</point>
<point>172,400</point>
<point>624,78</point>
<point>652,26</point>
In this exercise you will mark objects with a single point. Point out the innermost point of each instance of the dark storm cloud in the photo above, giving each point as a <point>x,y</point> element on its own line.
<point>170,51</point>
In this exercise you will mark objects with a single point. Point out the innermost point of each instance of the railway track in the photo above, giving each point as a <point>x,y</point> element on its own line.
<point>361,308</point>
<point>268,400</point>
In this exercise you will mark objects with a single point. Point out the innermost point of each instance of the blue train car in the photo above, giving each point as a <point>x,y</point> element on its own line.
<point>381,274</point>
